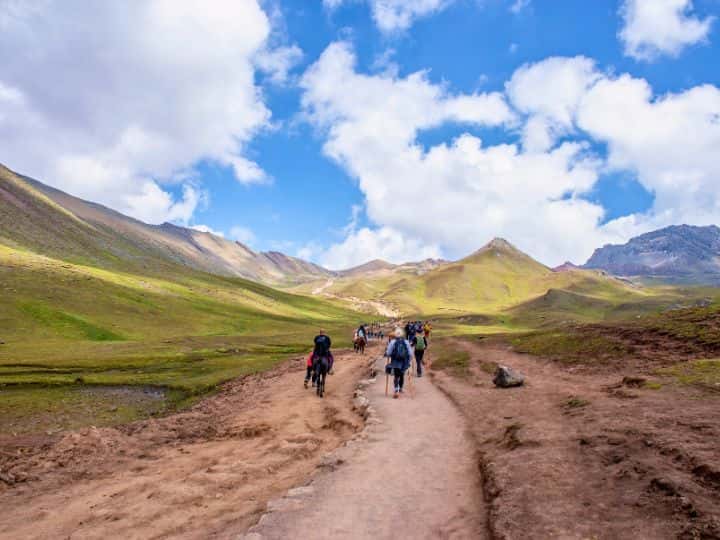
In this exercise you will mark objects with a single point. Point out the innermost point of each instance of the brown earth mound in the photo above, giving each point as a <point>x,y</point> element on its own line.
<point>590,455</point>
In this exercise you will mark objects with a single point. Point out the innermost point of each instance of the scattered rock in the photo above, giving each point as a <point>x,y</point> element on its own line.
<point>664,485</point>
<point>7,478</point>
<point>301,491</point>
<point>634,382</point>
<point>330,462</point>
<point>708,473</point>
<point>506,377</point>
<point>361,403</point>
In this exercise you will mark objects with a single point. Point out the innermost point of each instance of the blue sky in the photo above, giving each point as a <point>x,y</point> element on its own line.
<point>560,124</point>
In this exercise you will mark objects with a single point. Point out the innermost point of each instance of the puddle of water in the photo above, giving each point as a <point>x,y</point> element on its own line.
<point>34,409</point>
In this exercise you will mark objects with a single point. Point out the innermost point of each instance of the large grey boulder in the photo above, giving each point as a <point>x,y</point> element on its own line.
<point>506,377</point>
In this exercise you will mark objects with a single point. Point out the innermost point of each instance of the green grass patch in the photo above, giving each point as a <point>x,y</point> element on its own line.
<point>575,402</point>
<point>33,409</point>
<point>703,373</point>
<point>67,324</point>
<point>569,346</point>
<point>454,362</point>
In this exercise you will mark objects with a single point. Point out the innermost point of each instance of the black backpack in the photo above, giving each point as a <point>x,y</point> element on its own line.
<point>400,351</point>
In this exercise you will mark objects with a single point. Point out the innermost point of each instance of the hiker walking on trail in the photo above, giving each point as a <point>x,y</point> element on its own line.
<point>427,328</point>
<point>410,331</point>
<point>419,345</point>
<point>321,350</point>
<point>400,355</point>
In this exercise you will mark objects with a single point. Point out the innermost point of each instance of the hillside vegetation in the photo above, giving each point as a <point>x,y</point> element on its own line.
<point>500,282</point>
<point>47,221</point>
<point>91,299</point>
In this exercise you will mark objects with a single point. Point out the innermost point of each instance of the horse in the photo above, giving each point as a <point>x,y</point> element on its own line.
<point>321,366</point>
<point>359,343</point>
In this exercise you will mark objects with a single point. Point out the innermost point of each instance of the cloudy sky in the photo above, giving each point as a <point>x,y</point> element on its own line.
<point>345,130</point>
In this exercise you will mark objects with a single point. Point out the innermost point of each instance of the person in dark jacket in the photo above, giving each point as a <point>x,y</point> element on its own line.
<point>400,354</point>
<point>321,350</point>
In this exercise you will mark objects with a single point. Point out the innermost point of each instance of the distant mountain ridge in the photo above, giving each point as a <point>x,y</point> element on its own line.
<point>50,222</point>
<point>679,253</point>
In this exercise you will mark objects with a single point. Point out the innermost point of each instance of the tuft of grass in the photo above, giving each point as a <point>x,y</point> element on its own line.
<point>575,402</point>
<point>454,362</point>
<point>702,373</point>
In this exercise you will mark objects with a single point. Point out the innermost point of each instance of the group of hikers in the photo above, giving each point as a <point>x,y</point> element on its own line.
<point>368,331</point>
<point>403,346</point>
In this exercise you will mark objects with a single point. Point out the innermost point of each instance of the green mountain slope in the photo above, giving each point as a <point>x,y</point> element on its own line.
<point>48,221</point>
<point>495,278</point>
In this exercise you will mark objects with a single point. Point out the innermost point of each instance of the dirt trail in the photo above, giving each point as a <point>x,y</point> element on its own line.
<point>204,473</point>
<point>372,306</point>
<point>414,476</point>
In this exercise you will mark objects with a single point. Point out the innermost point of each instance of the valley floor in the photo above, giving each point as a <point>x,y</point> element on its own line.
<point>575,453</point>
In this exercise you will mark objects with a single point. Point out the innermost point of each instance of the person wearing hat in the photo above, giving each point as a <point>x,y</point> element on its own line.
<point>400,354</point>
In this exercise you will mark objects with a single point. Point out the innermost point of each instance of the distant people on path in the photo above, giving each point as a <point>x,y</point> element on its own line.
<point>322,344</point>
<point>400,354</point>
<point>419,345</point>
<point>427,328</point>
<point>410,330</point>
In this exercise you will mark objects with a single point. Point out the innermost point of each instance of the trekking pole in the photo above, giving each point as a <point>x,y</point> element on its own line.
<point>387,380</point>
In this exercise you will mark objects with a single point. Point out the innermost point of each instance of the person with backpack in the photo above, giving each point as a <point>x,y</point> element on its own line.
<point>400,355</point>
<point>419,345</point>
<point>427,328</point>
<point>321,350</point>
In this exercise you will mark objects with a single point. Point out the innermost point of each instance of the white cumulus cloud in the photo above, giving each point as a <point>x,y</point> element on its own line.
<point>451,198</point>
<point>550,91</point>
<point>243,235</point>
<point>384,243</point>
<point>206,229</point>
<point>395,15</point>
<point>111,101</point>
<point>669,141</point>
<point>455,195</point>
<point>653,28</point>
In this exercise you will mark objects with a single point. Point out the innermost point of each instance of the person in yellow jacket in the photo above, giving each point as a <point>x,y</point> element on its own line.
<point>427,328</point>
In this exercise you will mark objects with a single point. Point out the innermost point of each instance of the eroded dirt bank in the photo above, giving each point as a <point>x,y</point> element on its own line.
<point>204,473</point>
<point>581,455</point>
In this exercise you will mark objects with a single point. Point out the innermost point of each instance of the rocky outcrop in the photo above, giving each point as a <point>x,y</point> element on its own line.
<point>682,253</point>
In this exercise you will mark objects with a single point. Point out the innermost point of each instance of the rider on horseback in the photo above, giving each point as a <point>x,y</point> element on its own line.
<point>321,350</point>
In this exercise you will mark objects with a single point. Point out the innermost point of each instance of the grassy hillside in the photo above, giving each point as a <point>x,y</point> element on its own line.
<point>66,324</point>
<point>45,220</point>
<point>496,280</point>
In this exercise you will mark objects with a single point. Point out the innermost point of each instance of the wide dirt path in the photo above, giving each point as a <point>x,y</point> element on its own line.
<point>207,472</point>
<point>414,475</point>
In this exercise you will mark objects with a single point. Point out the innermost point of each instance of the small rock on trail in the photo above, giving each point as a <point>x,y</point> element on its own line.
<point>507,377</point>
